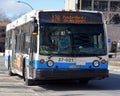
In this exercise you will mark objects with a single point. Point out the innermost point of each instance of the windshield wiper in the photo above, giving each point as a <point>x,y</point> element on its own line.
<point>99,57</point>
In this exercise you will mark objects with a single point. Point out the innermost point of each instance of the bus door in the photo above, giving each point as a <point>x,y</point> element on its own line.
<point>33,46</point>
<point>31,50</point>
<point>33,39</point>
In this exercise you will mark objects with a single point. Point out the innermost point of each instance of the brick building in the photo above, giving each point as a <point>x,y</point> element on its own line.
<point>2,35</point>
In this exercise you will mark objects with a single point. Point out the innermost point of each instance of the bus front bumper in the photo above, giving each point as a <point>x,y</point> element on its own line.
<point>60,74</point>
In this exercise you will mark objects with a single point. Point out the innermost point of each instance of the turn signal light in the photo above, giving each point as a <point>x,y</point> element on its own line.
<point>42,61</point>
<point>103,61</point>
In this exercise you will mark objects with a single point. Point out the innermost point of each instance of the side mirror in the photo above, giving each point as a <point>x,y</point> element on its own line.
<point>35,31</point>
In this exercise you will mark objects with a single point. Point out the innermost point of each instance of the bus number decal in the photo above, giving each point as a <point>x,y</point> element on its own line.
<point>65,59</point>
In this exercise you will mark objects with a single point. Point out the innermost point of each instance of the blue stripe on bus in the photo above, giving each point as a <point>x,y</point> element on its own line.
<point>6,58</point>
<point>38,65</point>
<point>59,65</point>
<point>27,61</point>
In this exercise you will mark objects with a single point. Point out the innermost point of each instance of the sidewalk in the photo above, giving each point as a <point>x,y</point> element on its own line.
<point>114,65</point>
<point>114,68</point>
<point>1,54</point>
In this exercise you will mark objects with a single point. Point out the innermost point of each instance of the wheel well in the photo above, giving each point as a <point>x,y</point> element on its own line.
<point>23,67</point>
<point>8,62</point>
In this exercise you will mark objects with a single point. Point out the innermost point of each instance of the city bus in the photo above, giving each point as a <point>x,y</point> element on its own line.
<point>57,45</point>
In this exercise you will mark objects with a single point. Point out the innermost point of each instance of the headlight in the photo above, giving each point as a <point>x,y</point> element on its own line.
<point>50,63</point>
<point>96,63</point>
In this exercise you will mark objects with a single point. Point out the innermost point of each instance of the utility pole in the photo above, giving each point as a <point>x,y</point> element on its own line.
<point>26,4</point>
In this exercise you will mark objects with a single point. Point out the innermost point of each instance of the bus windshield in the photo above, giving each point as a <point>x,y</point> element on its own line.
<point>72,39</point>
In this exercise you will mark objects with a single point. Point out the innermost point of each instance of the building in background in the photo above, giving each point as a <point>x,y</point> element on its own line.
<point>2,35</point>
<point>111,8</point>
<point>70,4</point>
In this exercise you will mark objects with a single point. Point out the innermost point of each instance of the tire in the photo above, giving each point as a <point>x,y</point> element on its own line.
<point>10,72</point>
<point>9,68</point>
<point>28,82</point>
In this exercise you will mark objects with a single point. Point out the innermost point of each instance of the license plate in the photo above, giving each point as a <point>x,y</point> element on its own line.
<point>80,62</point>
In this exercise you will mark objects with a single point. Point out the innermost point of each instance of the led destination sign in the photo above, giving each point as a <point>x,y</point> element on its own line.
<point>70,17</point>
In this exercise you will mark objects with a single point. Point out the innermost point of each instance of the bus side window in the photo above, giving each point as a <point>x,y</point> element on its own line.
<point>23,42</point>
<point>17,46</point>
<point>34,43</point>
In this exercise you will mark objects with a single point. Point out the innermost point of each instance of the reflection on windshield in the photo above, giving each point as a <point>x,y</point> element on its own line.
<point>72,39</point>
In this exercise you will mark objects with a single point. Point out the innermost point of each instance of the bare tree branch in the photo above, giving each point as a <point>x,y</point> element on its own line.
<point>3,17</point>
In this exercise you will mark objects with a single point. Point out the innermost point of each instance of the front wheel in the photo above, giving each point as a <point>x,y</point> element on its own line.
<point>28,82</point>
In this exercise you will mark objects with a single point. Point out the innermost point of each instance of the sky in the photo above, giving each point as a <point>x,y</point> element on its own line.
<point>13,8</point>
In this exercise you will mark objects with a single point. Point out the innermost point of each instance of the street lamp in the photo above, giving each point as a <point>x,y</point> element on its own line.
<point>26,4</point>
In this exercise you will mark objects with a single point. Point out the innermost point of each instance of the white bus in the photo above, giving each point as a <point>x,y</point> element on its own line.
<point>57,45</point>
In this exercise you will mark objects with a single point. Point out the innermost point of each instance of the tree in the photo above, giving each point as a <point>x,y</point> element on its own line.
<point>3,22</point>
<point>3,17</point>
<point>116,19</point>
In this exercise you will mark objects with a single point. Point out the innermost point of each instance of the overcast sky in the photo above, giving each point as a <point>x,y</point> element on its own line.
<point>12,8</point>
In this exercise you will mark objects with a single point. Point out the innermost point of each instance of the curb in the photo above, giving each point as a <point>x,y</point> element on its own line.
<point>114,66</point>
<point>114,63</point>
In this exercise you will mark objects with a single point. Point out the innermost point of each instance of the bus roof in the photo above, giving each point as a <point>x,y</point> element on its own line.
<point>29,17</point>
<point>22,20</point>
